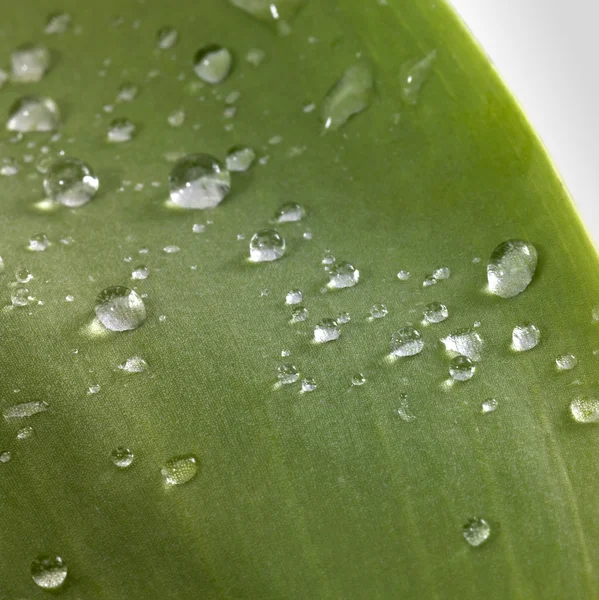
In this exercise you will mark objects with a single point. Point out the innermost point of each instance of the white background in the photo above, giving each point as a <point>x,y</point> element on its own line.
<point>547,53</point>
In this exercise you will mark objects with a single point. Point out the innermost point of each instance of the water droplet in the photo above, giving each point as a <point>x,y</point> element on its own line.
<point>435,312</point>
<point>511,268</point>
<point>595,314</point>
<point>167,37</point>
<point>349,96</point>
<point>70,182</point>
<point>25,432</point>
<point>33,113</point>
<point>489,405</point>
<point>240,158</point>
<point>461,368</point>
<point>275,12</point>
<point>466,342</point>
<point>255,56</point>
<point>179,470</point>
<point>198,181</point>
<point>344,318</point>
<point>412,76</point>
<point>266,245</point>
<point>566,362</point>
<point>171,249</point>
<point>48,572</point>
<point>378,311</point>
<point>328,259</point>
<point>287,374</point>
<point>343,275</point>
<point>289,213</point>
<point>476,531</point>
<point>140,272</point>
<point>299,314</point>
<point>308,385</point>
<point>326,331</point>
<point>25,409</point>
<point>127,92</point>
<point>406,342</point>
<point>135,364</point>
<point>5,456</point>
<point>198,228</point>
<point>441,273</point>
<point>404,410</point>
<point>428,281</point>
<point>38,242</point>
<point>585,409</point>
<point>19,296</point>
<point>525,337</point>
<point>176,118</point>
<point>9,166</point>
<point>294,297</point>
<point>120,309</point>
<point>212,63</point>
<point>403,275</point>
<point>57,23</point>
<point>358,380</point>
<point>29,63</point>
<point>93,389</point>
<point>120,130</point>
<point>23,275</point>
<point>122,457</point>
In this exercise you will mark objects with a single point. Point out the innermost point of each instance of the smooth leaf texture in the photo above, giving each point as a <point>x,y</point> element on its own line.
<point>321,495</point>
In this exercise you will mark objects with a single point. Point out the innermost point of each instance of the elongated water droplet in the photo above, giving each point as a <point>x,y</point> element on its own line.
<point>327,330</point>
<point>476,531</point>
<point>525,337</point>
<point>25,409</point>
<point>349,96</point>
<point>49,572</point>
<point>167,37</point>
<point>406,342</point>
<point>120,130</point>
<point>198,181</point>
<point>404,410</point>
<point>287,374</point>
<point>343,275</point>
<point>299,314</point>
<point>213,63</point>
<point>292,212</point>
<point>566,362</point>
<point>585,409</point>
<point>461,368</point>
<point>120,309</point>
<point>266,245</point>
<point>122,457</point>
<point>308,385</point>
<point>413,74</point>
<point>240,158</point>
<point>29,63</point>
<point>57,23</point>
<point>466,342</point>
<point>489,405</point>
<point>511,268</point>
<point>378,311</point>
<point>70,182</point>
<point>435,312</point>
<point>33,113</point>
<point>179,470</point>
<point>39,242</point>
<point>294,297</point>
<point>134,364</point>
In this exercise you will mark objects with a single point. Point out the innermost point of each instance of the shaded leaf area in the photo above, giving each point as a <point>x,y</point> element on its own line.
<point>322,495</point>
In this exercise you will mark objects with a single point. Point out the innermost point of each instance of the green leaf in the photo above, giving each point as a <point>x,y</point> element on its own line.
<point>328,494</point>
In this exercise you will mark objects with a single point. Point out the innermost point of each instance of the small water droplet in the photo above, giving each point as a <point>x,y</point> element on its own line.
<point>5,456</point>
<point>358,379</point>
<point>404,410</point>
<point>406,342</point>
<point>120,130</point>
<point>585,409</point>
<point>33,113</point>
<point>179,470</point>
<point>49,572</point>
<point>19,296</point>
<point>441,273</point>
<point>198,181</point>
<point>476,531</point>
<point>57,23</point>
<point>299,314</point>
<point>289,213</point>
<point>171,249</point>
<point>525,337</point>
<point>167,37</point>
<point>23,275</point>
<point>9,166</point>
<point>127,92</point>
<point>403,275</point>
<point>122,457</point>
<point>176,118</point>
<point>38,242</point>
<point>595,314</point>
<point>511,268</point>
<point>343,275</point>
<point>466,342</point>
<point>212,63</point>
<point>326,331</point>
<point>25,432</point>
<point>287,374</point>
<point>489,405</point>
<point>461,368</point>
<point>435,312</point>
<point>120,309</point>
<point>198,228</point>
<point>413,74</point>
<point>93,389</point>
<point>266,245</point>
<point>566,362</point>
<point>255,56</point>
<point>141,272</point>
<point>240,158</point>
<point>134,364</point>
<point>294,297</point>
<point>70,182</point>
<point>29,63</point>
<point>349,96</point>
<point>308,385</point>
<point>275,12</point>
<point>24,409</point>
<point>428,281</point>
<point>344,318</point>
<point>378,311</point>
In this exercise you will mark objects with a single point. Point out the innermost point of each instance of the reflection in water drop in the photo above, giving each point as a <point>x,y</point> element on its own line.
<point>406,342</point>
<point>511,268</point>
<point>266,246</point>
<point>25,409</point>
<point>525,337</point>
<point>179,470</point>
<point>166,38</point>
<point>489,405</point>
<point>48,572</point>
<point>566,362</point>
<point>287,374</point>
<point>585,409</point>
<point>461,368</point>
<point>38,242</point>
<point>120,130</point>
<point>476,531</point>
<point>122,457</point>
<point>120,309</point>
<point>466,342</point>
<point>70,182</point>
<point>308,385</point>
<point>435,312</point>
<point>290,213</point>
<point>33,113</point>
<point>343,275</point>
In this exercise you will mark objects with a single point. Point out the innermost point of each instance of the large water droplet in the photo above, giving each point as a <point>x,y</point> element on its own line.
<point>167,37</point>
<point>266,245</point>
<point>466,342</point>
<point>120,130</point>
<point>435,312</point>
<point>406,342</point>
<point>326,331</point>
<point>525,337</point>
<point>343,275</point>
<point>33,113</point>
<point>25,409</point>
<point>585,409</point>
<point>71,182</point>
<point>566,362</point>
<point>476,531</point>
<point>198,181</point>
<point>122,457</point>
<point>29,63</point>
<point>461,368</point>
<point>413,74</point>
<point>49,572</point>
<point>511,268</point>
<point>179,470</point>
<point>240,158</point>
<point>212,63</point>
<point>349,96</point>
<point>58,22</point>
<point>287,374</point>
<point>120,309</point>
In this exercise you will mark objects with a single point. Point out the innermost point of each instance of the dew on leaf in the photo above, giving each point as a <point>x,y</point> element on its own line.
<point>33,113</point>
<point>70,182</point>
<point>476,531</point>
<point>326,331</point>
<point>134,364</point>
<point>403,275</point>
<point>120,130</point>
<point>287,374</point>
<point>212,63</point>
<point>25,409</point>
<point>406,342</point>
<point>441,273</point>
<point>240,158</point>
<point>525,337</point>
<point>255,56</point>
<point>276,12</point>
<point>585,409</point>
<point>413,74</point>
<point>566,362</point>
<point>404,410</point>
<point>25,432</point>
<point>289,213</point>
<point>176,118</point>
<point>9,166</point>
<point>466,342</point>
<point>266,245</point>
<point>378,311</point>
<point>461,368</point>
<point>49,572</point>
<point>308,385</point>
<point>358,380</point>
<point>141,272</point>
<point>299,314</point>
<point>19,296</point>
<point>57,23</point>
<point>489,405</point>
<point>428,281</point>
<point>127,92</point>
<point>122,457</point>
<point>294,297</point>
<point>344,318</point>
<point>179,470</point>
<point>435,312</point>
<point>511,268</point>
<point>166,37</point>
<point>5,456</point>
<point>30,63</point>
<point>38,242</point>
<point>343,275</point>
<point>171,249</point>
<point>120,309</point>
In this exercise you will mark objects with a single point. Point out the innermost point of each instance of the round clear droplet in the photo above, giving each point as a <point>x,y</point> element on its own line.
<point>291,212</point>
<point>19,296</point>
<point>167,37</point>
<point>476,531</point>
<point>122,457</point>
<point>266,245</point>
<point>120,309</point>
<point>358,379</point>
<point>406,342</point>
<point>70,182</point>
<point>49,572</point>
<point>566,362</point>
<point>525,337</point>
<point>120,130</point>
<point>466,342</point>
<point>29,63</point>
<point>511,268</point>
<point>435,312</point>
<point>585,409</point>
<point>294,297</point>
<point>212,63</point>
<point>461,368</point>
<point>38,242</point>
<point>378,311</point>
<point>287,374</point>
<point>489,405</point>
<point>299,314</point>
